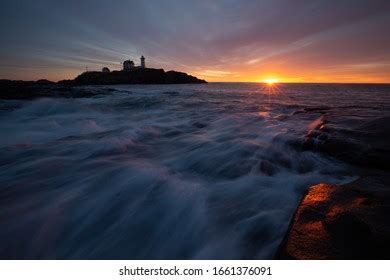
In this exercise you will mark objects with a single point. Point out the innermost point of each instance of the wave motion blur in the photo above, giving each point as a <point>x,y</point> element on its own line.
<point>163,172</point>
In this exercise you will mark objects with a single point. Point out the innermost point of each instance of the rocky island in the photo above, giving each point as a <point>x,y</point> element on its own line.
<point>71,88</point>
<point>133,76</point>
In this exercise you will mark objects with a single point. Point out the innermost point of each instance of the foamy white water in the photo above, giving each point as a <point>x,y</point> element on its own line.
<point>166,171</point>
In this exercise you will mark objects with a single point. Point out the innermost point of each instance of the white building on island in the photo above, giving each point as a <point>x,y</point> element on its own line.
<point>128,65</point>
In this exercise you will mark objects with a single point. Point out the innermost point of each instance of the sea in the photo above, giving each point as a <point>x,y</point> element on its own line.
<point>200,171</point>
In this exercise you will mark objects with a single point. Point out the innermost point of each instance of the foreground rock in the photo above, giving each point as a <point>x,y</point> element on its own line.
<point>341,222</point>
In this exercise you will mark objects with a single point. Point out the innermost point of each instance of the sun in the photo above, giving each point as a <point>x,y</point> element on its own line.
<point>270,82</point>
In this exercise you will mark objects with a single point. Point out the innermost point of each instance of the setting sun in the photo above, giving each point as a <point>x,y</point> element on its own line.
<point>270,81</point>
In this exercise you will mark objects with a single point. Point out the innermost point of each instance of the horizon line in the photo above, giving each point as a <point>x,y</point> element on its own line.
<point>238,82</point>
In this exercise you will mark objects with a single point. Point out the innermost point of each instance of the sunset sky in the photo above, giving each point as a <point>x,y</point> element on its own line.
<point>230,40</point>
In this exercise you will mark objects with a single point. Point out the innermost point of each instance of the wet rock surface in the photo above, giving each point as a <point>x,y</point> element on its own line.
<point>362,144</point>
<point>341,222</point>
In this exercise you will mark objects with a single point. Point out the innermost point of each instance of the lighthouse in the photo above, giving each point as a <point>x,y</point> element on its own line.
<point>142,62</point>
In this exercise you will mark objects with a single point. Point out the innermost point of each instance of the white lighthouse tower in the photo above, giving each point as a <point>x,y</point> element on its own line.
<point>142,62</point>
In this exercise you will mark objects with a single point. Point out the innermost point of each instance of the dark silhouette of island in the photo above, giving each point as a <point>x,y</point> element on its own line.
<point>130,74</point>
<point>133,76</point>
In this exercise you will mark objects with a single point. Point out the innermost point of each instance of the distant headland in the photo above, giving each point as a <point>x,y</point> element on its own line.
<point>129,74</point>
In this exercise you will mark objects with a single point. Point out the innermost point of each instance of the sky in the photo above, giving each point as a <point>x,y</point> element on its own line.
<point>230,40</point>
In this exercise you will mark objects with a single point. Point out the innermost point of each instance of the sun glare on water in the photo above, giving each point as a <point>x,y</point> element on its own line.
<point>270,82</point>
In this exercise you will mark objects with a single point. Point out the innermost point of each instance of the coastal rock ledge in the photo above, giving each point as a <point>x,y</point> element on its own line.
<point>348,221</point>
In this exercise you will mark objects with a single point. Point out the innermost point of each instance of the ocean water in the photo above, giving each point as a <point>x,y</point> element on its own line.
<point>211,171</point>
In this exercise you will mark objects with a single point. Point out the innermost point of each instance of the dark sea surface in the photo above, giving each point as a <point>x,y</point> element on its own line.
<point>210,171</point>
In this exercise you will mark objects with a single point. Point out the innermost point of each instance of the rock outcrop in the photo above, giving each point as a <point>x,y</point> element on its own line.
<point>362,144</point>
<point>348,221</point>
